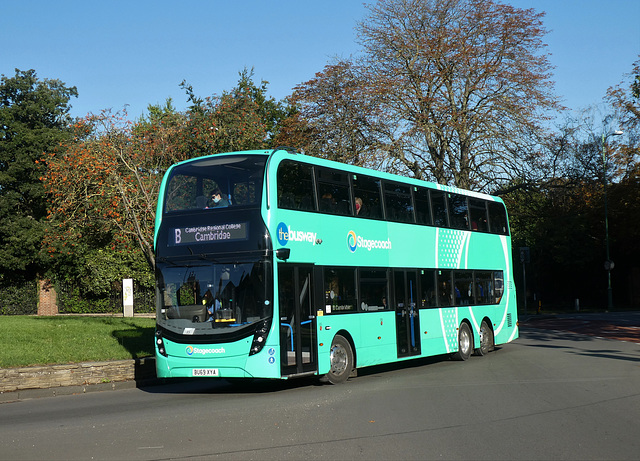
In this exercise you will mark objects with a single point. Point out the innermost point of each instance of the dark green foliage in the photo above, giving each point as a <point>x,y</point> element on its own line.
<point>33,120</point>
<point>74,299</point>
<point>21,298</point>
<point>271,112</point>
<point>564,228</point>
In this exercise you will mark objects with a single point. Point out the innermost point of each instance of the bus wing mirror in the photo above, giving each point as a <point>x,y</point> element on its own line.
<point>283,253</point>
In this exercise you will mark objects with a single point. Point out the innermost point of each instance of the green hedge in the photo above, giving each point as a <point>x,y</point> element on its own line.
<point>72,300</point>
<point>19,299</point>
<point>22,299</point>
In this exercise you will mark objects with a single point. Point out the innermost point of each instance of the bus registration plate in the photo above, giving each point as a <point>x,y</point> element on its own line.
<point>204,372</point>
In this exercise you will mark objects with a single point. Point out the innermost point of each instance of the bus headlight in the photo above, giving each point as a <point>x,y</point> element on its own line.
<point>160,344</point>
<point>260,336</point>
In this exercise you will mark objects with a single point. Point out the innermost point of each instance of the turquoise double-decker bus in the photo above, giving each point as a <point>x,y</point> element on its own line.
<point>274,264</point>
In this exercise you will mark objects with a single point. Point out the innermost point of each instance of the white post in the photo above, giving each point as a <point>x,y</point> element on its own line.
<point>127,297</point>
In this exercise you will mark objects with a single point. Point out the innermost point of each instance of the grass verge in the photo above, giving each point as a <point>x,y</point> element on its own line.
<point>29,340</point>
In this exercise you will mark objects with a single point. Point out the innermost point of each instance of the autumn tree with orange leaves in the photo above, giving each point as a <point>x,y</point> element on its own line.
<point>104,183</point>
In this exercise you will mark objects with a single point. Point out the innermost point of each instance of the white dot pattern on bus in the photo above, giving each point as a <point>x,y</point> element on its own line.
<point>450,245</point>
<point>449,323</point>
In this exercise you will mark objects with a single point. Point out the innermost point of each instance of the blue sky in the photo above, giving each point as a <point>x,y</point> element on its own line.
<point>137,52</point>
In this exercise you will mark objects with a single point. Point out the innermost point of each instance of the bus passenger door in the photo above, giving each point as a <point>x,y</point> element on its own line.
<point>406,307</point>
<point>297,319</point>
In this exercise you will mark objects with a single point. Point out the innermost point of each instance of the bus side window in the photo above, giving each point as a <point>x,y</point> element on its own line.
<point>478,213</point>
<point>439,208</point>
<point>423,210</point>
<point>368,190</point>
<point>484,287</point>
<point>445,289</point>
<point>295,186</point>
<point>428,292</point>
<point>463,288</point>
<point>339,289</point>
<point>326,198</point>
<point>498,218</point>
<point>333,192</point>
<point>458,212</point>
<point>373,290</point>
<point>498,290</point>
<point>397,201</point>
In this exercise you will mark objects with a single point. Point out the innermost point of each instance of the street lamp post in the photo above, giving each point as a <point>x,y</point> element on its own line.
<point>608,264</point>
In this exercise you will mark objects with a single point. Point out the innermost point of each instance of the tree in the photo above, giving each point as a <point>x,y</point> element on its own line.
<point>104,183</point>
<point>561,217</point>
<point>336,118</point>
<point>247,116</point>
<point>465,79</point>
<point>624,98</point>
<point>461,87</point>
<point>34,118</point>
<point>227,123</point>
<point>270,111</point>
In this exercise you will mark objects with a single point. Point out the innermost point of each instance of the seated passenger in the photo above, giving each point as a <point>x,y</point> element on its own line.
<point>358,205</point>
<point>218,199</point>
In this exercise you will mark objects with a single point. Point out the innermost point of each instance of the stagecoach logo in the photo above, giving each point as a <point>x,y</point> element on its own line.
<point>354,242</point>
<point>197,350</point>
<point>286,233</point>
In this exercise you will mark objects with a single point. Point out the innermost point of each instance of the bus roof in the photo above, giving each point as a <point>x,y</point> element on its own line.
<point>282,153</point>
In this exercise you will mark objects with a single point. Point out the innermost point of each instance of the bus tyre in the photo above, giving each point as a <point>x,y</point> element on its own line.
<point>341,358</point>
<point>486,339</point>
<point>465,343</point>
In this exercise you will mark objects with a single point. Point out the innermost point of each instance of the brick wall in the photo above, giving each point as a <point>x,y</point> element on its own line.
<point>47,300</point>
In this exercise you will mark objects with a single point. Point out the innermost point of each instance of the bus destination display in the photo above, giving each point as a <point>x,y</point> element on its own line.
<point>208,234</point>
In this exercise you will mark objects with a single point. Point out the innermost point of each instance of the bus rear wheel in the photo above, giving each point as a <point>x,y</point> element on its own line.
<point>486,339</point>
<point>465,343</point>
<point>341,358</point>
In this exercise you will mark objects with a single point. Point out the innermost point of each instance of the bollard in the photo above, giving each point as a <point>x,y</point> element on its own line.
<point>127,297</point>
<point>577,305</point>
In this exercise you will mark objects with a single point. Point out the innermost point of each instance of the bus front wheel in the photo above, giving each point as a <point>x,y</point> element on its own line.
<point>341,358</point>
<point>465,343</point>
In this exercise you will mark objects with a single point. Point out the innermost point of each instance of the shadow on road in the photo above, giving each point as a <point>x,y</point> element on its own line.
<point>576,343</point>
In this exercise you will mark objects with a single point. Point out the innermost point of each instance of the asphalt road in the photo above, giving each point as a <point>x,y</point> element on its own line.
<point>548,395</point>
<point>623,326</point>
